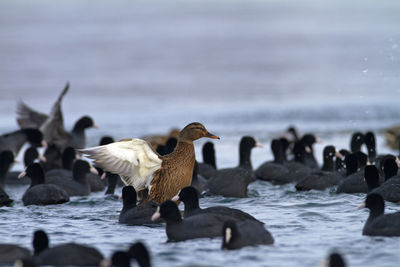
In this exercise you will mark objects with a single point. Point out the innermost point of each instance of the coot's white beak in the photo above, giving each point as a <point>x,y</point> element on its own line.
<point>259,145</point>
<point>42,158</point>
<point>44,144</point>
<point>95,126</point>
<point>362,205</point>
<point>22,174</point>
<point>93,170</point>
<point>175,198</point>
<point>156,215</point>
<point>338,155</point>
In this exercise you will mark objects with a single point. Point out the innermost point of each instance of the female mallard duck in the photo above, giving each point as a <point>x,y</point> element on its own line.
<point>140,166</point>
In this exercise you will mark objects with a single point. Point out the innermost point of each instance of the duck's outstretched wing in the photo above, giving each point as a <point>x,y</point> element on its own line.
<point>132,159</point>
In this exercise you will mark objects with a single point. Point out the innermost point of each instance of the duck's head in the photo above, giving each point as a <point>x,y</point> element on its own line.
<point>194,131</point>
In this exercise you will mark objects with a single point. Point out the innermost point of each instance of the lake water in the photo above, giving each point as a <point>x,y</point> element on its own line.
<point>240,68</point>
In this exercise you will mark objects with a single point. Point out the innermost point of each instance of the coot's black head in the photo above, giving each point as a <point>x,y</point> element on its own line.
<point>293,133</point>
<point>356,142</point>
<point>169,211</point>
<point>84,123</point>
<point>34,136</point>
<point>351,163</point>
<point>371,175</point>
<point>276,146</point>
<point>344,152</point>
<point>390,168</point>
<point>284,143</point>
<point>129,196</point>
<point>229,233</point>
<point>247,142</point>
<point>35,172</point>
<point>329,152</point>
<point>278,151</point>
<point>40,241</point>
<point>81,166</point>
<point>120,259</point>
<point>208,147</point>
<point>209,154</point>
<point>189,195</point>
<point>139,252</point>
<point>362,159</point>
<point>336,260</point>
<point>30,155</point>
<point>68,157</point>
<point>369,140</point>
<point>80,169</point>
<point>6,159</point>
<point>375,204</point>
<point>105,140</point>
<point>299,150</point>
<point>309,139</point>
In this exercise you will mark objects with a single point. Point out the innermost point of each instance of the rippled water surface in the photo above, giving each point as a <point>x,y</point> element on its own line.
<point>240,67</point>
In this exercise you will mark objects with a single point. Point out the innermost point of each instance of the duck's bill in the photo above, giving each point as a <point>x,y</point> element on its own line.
<point>362,205</point>
<point>156,215</point>
<point>212,136</point>
<point>175,198</point>
<point>22,174</point>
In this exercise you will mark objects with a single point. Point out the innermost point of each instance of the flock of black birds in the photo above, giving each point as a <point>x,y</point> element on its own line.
<point>60,174</point>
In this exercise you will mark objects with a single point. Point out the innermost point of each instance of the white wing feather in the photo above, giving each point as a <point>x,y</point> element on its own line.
<point>133,160</point>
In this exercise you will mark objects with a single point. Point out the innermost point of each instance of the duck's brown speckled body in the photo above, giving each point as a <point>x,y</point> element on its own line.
<point>140,166</point>
<point>175,173</point>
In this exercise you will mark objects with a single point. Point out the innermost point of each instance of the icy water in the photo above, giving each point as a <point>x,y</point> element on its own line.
<point>239,67</point>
